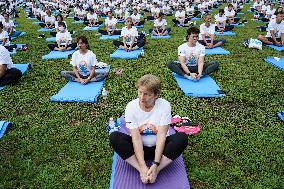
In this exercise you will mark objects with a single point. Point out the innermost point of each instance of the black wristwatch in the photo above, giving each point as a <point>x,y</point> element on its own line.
<point>156,163</point>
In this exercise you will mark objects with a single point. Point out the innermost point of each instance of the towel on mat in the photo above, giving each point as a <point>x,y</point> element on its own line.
<point>276,47</point>
<point>121,53</point>
<point>281,115</point>
<point>125,176</point>
<point>76,92</point>
<point>22,67</point>
<point>205,87</point>
<point>58,55</point>
<point>109,37</point>
<point>227,33</point>
<point>45,29</point>
<point>160,37</point>
<point>279,64</point>
<point>216,50</point>
<point>50,39</point>
<point>3,127</point>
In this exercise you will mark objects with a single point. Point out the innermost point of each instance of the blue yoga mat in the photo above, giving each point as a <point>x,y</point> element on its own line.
<point>120,53</point>
<point>205,87</point>
<point>276,47</point>
<point>76,92</point>
<point>57,55</point>
<point>78,22</point>
<point>45,29</point>
<point>22,67</point>
<point>160,37</point>
<point>217,50</point>
<point>37,22</point>
<point>88,28</point>
<point>227,33</point>
<point>109,37</point>
<point>142,26</point>
<point>281,115</point>
<point>237,25</point>
<point>195,19</point>
<point>3,127</point>
<point>240,13</point>
<point>23,33</point>
<point>50,39</point>
<point>279,64</point>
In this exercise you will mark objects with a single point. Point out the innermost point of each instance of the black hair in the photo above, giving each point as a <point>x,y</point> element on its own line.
<point>84,40</point>
<point>192,30</point>
<point>221,11</point>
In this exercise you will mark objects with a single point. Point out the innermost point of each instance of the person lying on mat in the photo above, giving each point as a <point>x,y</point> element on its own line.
<point>8,73</point>
<point>83,62</point>
<point>275,35</point>
<point>220,20</point>
<point>148,118</point>
<point>49,20</point>
<point>92,18</point>
<point>129,36</point>
<point>110,26</point>
<point>136,18</point>
<point>191,55</point>
<point>207,34</point>
<point>5,39</point>
<point>63,39</point>
<point>160,26</point>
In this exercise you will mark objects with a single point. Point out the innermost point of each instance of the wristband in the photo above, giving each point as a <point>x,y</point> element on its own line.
<point>156,163</point>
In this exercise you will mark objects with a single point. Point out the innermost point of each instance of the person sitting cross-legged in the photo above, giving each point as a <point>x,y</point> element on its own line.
<point>83,62</point>
<point>160,26</point>
<point>191,55</point>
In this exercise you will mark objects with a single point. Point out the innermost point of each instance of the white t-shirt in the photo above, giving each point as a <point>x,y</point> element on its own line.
<point>50,19</point>
<point>219,18</point>
<point>128,33</point>
<point>111,22</point>
<point>191,54</point>
<point>5,57</point>
<point>155,10</point>
<point>179,14</point>
<point>230,13</point>
<point>158,23</point>
<point>4,35</point>
<point>92,16</point>
<point>277,28</point>
<point>84,62</point>
<point>135,18</point>
<point>206,30</point>
<point>64,37</point>
<point>160,115</point>
<point>8,25</point>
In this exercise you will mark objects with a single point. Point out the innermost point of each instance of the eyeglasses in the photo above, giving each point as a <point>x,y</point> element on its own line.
<point>194,36</point>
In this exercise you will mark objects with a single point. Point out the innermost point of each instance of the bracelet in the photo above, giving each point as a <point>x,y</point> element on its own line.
<point>156,163</point>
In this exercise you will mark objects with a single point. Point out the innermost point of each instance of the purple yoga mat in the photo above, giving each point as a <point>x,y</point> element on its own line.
<point>124,176</point>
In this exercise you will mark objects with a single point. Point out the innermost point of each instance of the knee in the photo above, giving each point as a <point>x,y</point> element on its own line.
<point>182,139</point>
<point>170,64</point>
<point>114,138</point>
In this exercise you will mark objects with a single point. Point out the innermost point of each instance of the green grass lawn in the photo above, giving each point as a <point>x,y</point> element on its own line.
<point>53,145</point>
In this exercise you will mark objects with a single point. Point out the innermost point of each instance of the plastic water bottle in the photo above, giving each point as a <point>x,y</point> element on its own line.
<point>111,125</point>
<point>104,93</point>
<point>142,53</point>
<point>14,51</point>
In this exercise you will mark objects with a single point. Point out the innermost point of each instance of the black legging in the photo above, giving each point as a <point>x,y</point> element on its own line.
<point>104,32</point>
<point>52,46</point>
<point>123,146</point>
<point>11,47</point>
<point>227,28</point>
<point>120,43</point>
<point>12,76</point>
<point>208,68</point>
<point>97,23</point>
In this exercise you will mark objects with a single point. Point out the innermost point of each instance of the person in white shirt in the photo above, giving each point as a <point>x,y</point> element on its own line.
<point>207,34</point>
<point>191,56</point>
<point>105,10</point>
<point>160,26</point>
<point>63,39</point>
<point>110,26</point>
<point>220,20</point>
<point>155,10</point>
<point>118,12</point>
<point>83,62</point>
<point>230,14</point>
<point>8,73</point>
<point>268,13</point>
<point>80,14</point>
<point>92,18</point>
<point>5,39</point>
<point>180,17</point>
<point>136,18</point>
<point>167,10</point>
<point>49,20</point>
<point>59,18</point>
<point>275,35</point>
<point>8,24</point>
<point>147,119</point>
<point>129,36</point>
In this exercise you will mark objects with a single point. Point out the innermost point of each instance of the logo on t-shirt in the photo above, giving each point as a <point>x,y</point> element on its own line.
<point>83,68</point>
<point>191,61</point>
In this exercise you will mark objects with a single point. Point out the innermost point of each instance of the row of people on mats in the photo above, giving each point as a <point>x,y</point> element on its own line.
<point>190,62</point>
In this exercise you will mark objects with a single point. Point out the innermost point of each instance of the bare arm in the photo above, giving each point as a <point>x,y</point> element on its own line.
<point>200,64</point>
<point>76,72</point>
<point>160,143</point>
<point>138,146</point>
<point>3,69</point>
<point>183,66</point>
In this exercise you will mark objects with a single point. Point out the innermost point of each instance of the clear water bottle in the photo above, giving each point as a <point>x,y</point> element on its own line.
<point>111,125</point>
<point>142,53</point>
<point>14,51</point>
<point>104,93</point>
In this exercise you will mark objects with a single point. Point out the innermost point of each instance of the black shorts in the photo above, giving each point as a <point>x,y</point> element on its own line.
<point>271,40</point>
